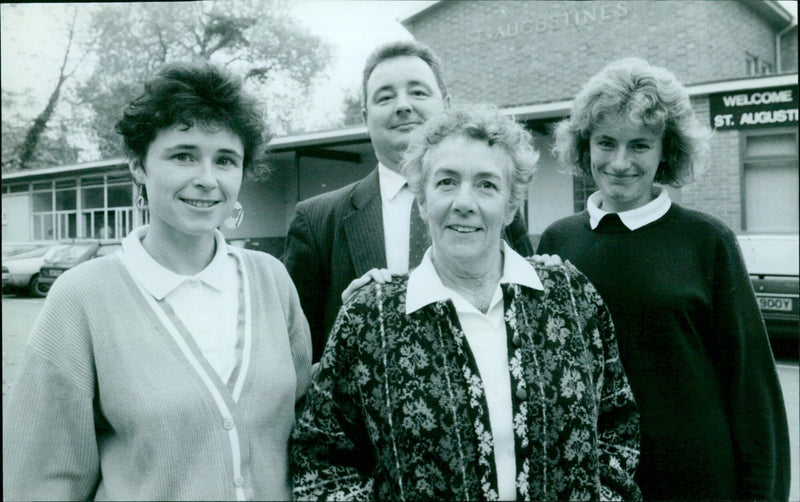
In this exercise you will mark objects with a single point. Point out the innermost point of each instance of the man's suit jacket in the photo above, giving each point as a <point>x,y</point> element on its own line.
<point>337,237</point>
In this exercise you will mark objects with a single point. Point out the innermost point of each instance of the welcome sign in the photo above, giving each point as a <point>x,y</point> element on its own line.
<point>754,108</point>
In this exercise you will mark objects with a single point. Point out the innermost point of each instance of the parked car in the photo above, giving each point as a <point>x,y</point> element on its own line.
<point>69,256</point>
<point>11,249</point>
<point>21,264</point>
<point>773,262</point>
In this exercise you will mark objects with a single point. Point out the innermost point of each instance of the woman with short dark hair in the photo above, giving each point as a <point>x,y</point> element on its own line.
<point>170,369</point>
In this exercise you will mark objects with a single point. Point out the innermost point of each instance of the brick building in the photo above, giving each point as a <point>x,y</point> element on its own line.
<point>533,57</point>
<point>737,58</point>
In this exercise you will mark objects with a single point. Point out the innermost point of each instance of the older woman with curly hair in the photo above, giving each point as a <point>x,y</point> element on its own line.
<point>478,376</point>
<point>691,337</point>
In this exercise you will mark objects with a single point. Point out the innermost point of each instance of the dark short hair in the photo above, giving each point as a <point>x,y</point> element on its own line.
<point>646,95</point>
<point>398,49</point>
<point>192,94</point>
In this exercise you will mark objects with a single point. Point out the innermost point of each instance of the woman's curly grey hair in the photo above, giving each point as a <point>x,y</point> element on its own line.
<point>478,122</point>
<point>647,96</point>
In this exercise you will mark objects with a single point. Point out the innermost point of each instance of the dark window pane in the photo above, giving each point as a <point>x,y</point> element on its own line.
<point>65,199</point>
<point>42,201</point>
<point>66,183</point>
<point>72,226</point>
<point>120,196</point>
<point>92,197</point>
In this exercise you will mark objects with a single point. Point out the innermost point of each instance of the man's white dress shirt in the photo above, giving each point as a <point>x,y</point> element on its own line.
<point>396,200</point>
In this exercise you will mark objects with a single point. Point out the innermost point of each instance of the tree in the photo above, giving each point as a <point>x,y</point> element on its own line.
<point>54,146</point>
<point>43,139</point>
<point>256,39</point>
<point>352,107</point>
<point>28,148</point>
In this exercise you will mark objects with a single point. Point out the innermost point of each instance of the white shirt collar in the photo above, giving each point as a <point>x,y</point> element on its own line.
<point>425,286</point>
<point>160,281</point>
<point>391,182</point>
<point>635,218</point>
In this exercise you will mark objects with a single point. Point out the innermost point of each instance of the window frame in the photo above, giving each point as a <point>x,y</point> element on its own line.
<point>744,160</point>
<point>125,218</point>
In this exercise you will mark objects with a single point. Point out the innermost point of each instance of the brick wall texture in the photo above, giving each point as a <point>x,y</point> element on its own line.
<point>524,52</point>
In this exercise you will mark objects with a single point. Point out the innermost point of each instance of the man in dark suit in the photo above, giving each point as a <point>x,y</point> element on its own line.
<point>337,237</point>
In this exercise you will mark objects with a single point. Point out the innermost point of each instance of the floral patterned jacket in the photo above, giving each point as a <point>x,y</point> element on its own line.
<point>398,410</point>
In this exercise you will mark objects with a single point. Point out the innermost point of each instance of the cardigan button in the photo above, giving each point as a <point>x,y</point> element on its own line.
<point>521,394</point>
<point>516,340</point>
<point>227,424</point>
<point>238,481</point>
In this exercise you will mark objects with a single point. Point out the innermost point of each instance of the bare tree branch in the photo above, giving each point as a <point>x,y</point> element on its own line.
<point>39,125</point>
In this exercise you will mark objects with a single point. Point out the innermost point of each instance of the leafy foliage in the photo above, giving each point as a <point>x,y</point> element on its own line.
<point>53,146</point>
<point>255,39</point>
<point>352,108</point>
<point>278,59</point>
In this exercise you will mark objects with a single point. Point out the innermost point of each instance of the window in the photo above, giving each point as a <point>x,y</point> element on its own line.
<point>120,195</point>
<point>582,188</point>
<point>757,66</point>
<point>107,206</point>
<point>752,64</point>
<point>97,206</point>
<point>770,181</point>
<point>43,219</point>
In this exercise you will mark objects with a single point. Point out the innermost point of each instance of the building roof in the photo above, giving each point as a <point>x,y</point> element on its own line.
<point>773,12</point>
<point>359,134</point>
<point>72,168</point>
<point>770,10</point>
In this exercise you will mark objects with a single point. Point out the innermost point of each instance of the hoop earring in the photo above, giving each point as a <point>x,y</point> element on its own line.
<point>236,218</point>
<point>141,204</point>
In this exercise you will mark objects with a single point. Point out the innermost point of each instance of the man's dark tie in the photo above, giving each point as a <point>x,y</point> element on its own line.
<point>418,238</point>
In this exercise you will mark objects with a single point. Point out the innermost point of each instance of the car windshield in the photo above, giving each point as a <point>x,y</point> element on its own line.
<point>70,252</point>
<point>30,253</point>
<point>14,250</point>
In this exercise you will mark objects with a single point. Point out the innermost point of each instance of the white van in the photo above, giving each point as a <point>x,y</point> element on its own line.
<point>773,262</point>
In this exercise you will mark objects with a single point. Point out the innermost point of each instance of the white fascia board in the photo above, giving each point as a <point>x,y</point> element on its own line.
<point>553,109</point>
<point>541,111</point>
<point>315,138</point>
<point>742,85</point>
<point>64,169</point>
<point>562,108</point>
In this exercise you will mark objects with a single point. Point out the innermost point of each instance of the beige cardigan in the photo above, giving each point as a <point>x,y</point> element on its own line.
<point>113,402</point>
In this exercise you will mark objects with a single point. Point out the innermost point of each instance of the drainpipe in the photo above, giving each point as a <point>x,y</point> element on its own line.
<point>778,65</point>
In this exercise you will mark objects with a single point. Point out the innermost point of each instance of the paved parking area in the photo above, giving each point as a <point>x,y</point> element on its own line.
<point>19,315</point>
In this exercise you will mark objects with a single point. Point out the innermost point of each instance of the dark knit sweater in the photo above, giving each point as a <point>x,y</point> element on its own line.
<point>695,350</point>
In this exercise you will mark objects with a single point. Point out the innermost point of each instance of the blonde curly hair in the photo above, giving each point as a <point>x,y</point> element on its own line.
<point>646,95</point>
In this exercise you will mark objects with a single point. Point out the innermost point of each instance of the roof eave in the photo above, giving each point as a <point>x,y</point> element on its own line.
<point>540,111</point>
<point>107,163</point>
<point>772,11</point>
<point>412,16</point>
